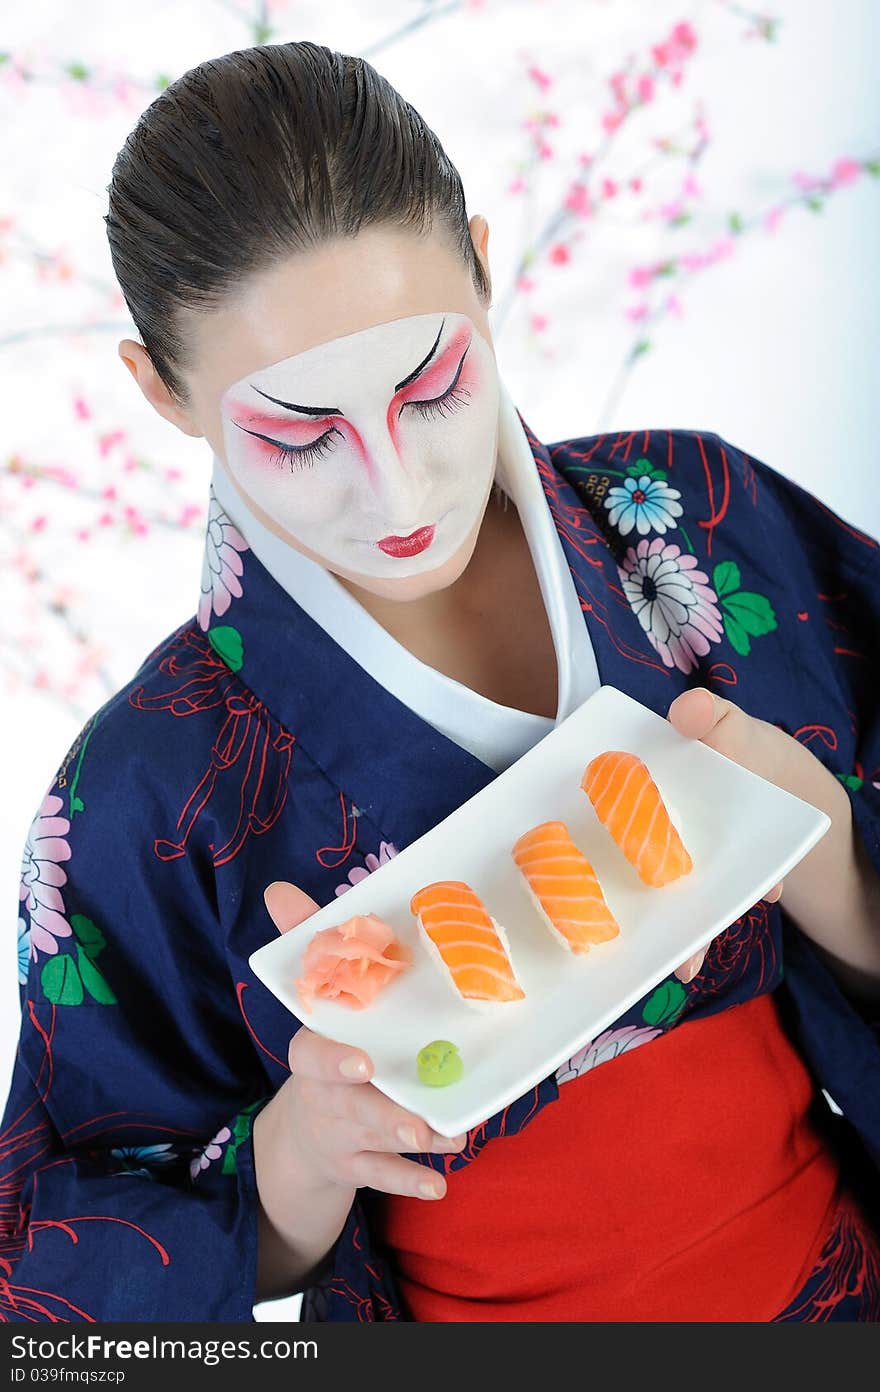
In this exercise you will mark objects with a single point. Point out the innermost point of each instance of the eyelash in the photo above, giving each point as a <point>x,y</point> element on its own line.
<point>306,456</point>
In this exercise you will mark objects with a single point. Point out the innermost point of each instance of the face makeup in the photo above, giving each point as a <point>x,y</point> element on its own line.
<point>375,451</point>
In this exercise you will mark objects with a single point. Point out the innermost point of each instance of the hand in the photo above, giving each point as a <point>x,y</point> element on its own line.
<point>341,1128</point>
<point>755,744</point>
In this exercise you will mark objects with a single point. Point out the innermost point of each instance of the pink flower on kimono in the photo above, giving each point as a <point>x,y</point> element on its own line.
<point>372,862</point>
<point>42,876</point>
<point>603,1048</point>
<point>221,565</point>
<point>212,1151</point>
<point>672,600</point>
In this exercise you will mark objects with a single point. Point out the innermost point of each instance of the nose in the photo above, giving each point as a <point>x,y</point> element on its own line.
<point>401,485</point>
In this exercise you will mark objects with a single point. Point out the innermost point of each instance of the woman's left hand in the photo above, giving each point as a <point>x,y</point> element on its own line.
<point>763,749</point>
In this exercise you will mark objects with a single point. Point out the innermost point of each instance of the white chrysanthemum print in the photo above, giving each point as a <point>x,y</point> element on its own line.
<point>672,600</point>
<point>387,849</point>
<point>42,876</point>
<point>604,1048</point>
<point>646,503</point>
<point>221,566</point>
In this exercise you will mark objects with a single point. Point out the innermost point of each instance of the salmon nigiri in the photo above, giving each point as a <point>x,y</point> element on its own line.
<point>628,801</point>
<point>563,886</point>
<point>467,944</point>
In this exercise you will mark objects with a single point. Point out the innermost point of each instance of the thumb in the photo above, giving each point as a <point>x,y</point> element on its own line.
<point>287,905</point>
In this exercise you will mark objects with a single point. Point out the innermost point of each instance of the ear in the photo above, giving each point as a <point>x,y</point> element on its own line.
<point>479,230</point>
<point>140,365</point>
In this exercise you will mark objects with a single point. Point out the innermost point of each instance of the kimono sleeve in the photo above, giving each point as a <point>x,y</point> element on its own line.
<point>127,1166</point>
<point>841,565</point>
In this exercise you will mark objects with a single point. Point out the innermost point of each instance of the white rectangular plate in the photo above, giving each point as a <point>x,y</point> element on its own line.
<point>744,835</point>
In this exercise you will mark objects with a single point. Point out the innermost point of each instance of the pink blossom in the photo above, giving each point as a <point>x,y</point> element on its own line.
<point>545,151</point>
<point>690,188</point>
<point>39,523</point>
<point>109,440</point>
<point>609,188</point>
<point>635,185</point>
<point>806,182</point>
<point>538,322</point>
<point>645,87</point>
<point>525,283</point>
<point>640,276</point>
<point>773,218</point>
<point>673,304</point>
<point>540,78</point>
<point>578,199</point>
<point>83,534</point>
<point>637,312</point>
<point>611,120</point>
<point>685,36</point>
<point>81,408</point>
<point>108,492</point>
<point>585,160</point>
<point>517,185</point>
<point>845,171</point>
<point>559,254</point>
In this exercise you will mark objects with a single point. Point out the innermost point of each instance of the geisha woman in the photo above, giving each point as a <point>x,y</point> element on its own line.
<point>403,590</point>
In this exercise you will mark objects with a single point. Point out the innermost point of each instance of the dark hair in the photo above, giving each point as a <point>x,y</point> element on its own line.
<point>256,154</point>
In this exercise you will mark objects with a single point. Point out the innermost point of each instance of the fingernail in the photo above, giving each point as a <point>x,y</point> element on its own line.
<point>692,966</point>
<point>447,1143</point>
<point>429,1190</point>
<point>407,1134</point>
<point>353,1067</point>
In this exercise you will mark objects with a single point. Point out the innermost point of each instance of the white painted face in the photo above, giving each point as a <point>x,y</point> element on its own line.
<point>376,451</point>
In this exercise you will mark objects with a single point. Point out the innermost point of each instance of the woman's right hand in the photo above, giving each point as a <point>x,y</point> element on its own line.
<point>327,1132</point>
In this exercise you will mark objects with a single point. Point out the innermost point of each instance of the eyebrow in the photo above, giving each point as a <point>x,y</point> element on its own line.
<point>335,410</point>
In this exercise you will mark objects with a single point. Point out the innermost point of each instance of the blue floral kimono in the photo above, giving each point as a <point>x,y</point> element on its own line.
<point>250,747</point>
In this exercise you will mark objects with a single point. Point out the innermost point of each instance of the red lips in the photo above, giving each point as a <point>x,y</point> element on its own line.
<point>407,545</point>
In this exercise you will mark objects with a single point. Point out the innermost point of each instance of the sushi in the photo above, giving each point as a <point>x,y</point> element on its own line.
<point>563,887</point>
<point>628,802</point>
<point>468,945</point>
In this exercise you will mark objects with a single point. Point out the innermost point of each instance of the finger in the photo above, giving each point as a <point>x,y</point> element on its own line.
<point>695,712</point>
<point>287,905</point>
<point>312,1056</point>
<point>351,1155</point>
<point>774,894</point>
<point>391,1174</point>
<point>394,1127</point>
<point>691,968</point>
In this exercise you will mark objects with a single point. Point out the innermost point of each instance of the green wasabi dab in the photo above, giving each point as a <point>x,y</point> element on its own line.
<point>439,1063</point>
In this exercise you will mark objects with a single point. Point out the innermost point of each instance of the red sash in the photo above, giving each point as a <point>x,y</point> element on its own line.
<point>684,1180</point>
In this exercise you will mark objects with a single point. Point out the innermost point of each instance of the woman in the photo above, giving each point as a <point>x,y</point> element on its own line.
<point>379,632</point>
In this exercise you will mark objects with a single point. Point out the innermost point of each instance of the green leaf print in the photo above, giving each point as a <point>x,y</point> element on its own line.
<point>753,611</point>
<point>726,578</point>
<point>241,1129</point>
<point>88,935</point>
<point>61,980</point>
<point>851,781</point>
<point>744,614</point>
<point>93,980</point>
<point>226,642</point>
<point>736,636</point>
<point>665,1004</point>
